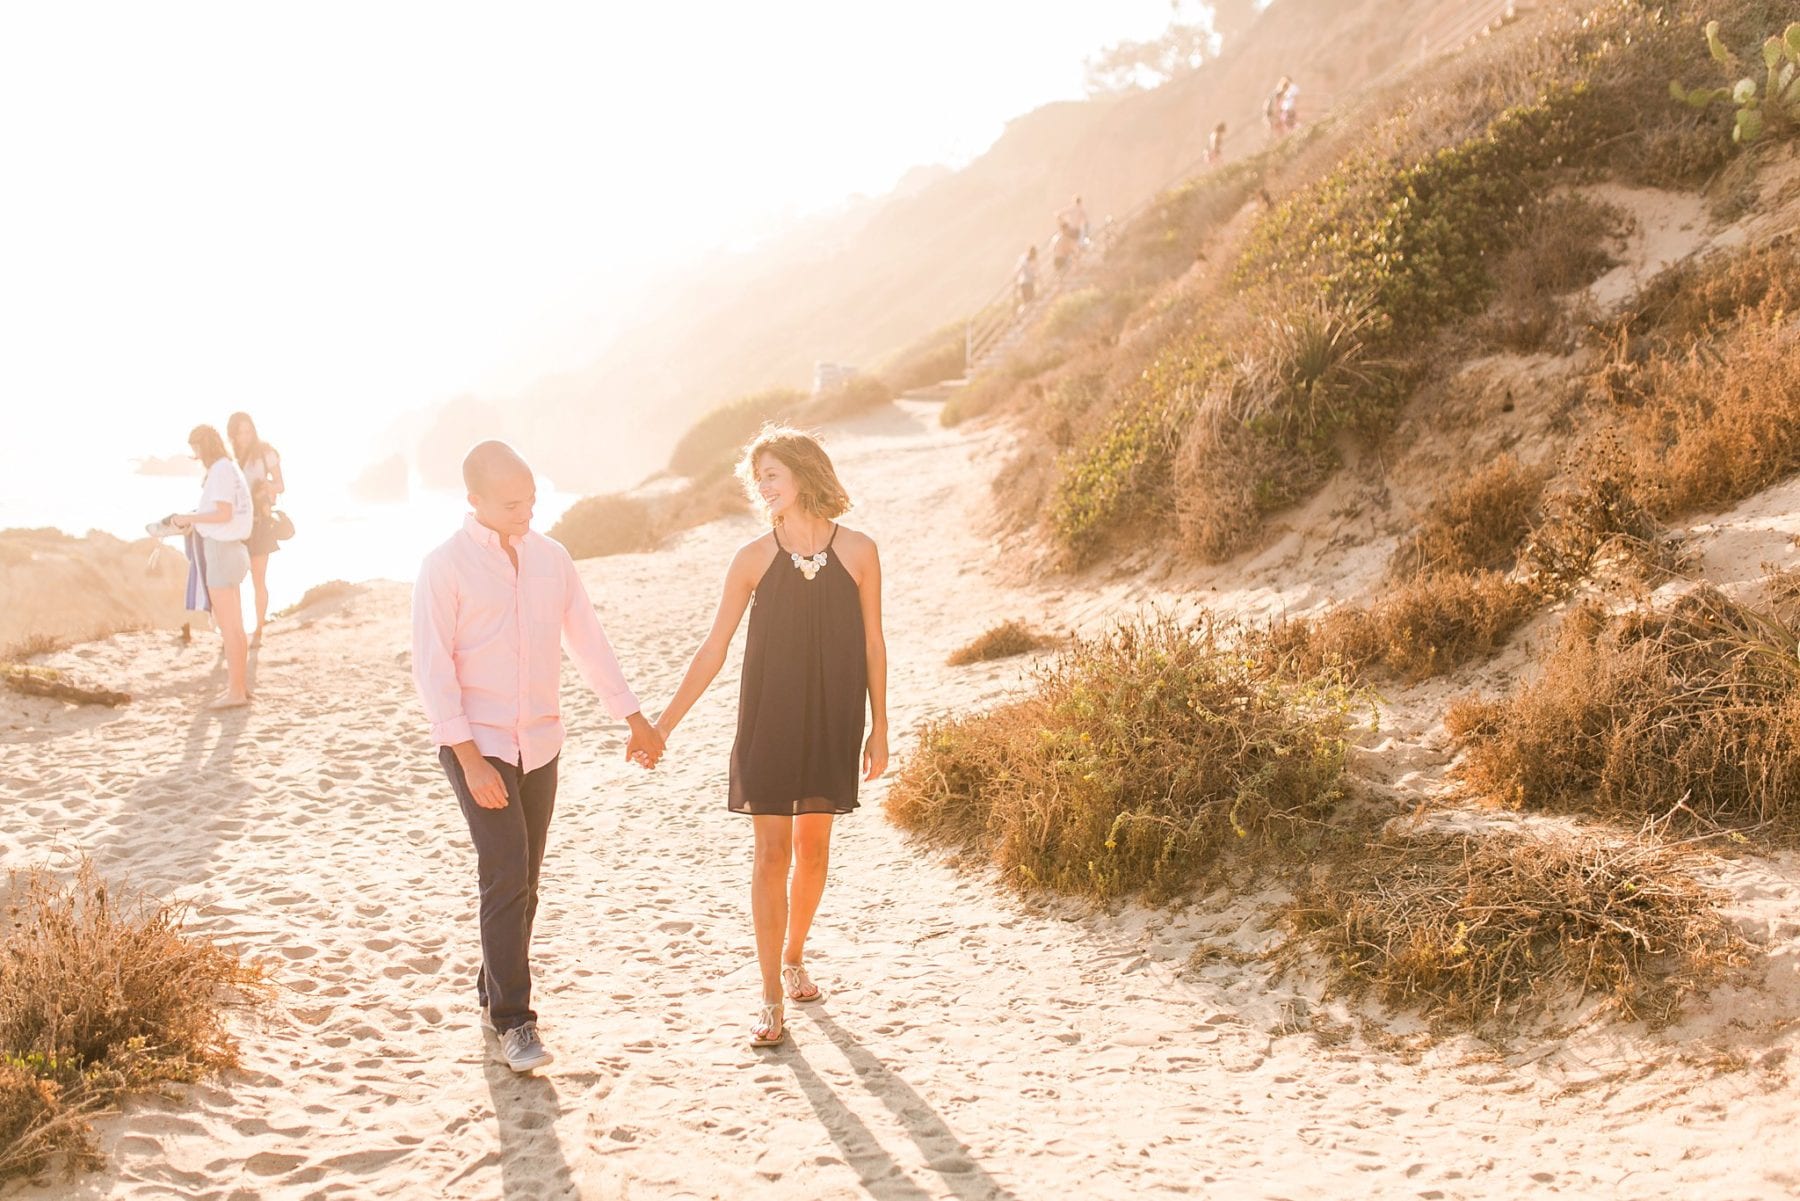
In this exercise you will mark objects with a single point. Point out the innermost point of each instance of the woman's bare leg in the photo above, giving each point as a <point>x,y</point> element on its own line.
<point>259,578</point>
<point>768,896</point>
<point>812,855</point>
<point>229,613</point>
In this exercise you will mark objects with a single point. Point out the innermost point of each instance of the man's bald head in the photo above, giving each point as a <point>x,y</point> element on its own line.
<point>490,462</point>
<point>501,490</point>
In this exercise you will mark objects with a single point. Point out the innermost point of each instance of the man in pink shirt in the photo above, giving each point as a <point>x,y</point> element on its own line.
<point>491,612</point>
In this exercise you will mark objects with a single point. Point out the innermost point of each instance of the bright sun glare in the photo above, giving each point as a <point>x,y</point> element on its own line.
<point>333,214</point>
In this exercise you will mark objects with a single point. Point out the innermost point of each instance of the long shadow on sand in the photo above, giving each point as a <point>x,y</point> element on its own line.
<point>946,1154</point>
<point>532,1163</point>
<point>177,819</point>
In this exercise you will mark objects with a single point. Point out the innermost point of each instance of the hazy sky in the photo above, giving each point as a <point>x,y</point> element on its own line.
<point>335,212</point>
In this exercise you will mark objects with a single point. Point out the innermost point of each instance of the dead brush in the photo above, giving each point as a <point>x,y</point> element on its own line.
<point>1429,625</point>
<point>1474,525</point>
<point>1228,475</point>
<point>1562,246</point>
<point>31,646</point>
<point>1597,521</point>
<point>1228,480</point>
<point>1696,299</point>
<point>1690,712</point>
<point>1003,641</point>
<point>1699,381</point>
<point>101,993</point>
<point>1720,422</point>
<point>1480,929</point>
<point>322,594</point>
<point>1137,762</point>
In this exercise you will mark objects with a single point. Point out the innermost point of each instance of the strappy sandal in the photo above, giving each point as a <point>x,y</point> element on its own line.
<point>769,1029</point>
<point>795,981</point>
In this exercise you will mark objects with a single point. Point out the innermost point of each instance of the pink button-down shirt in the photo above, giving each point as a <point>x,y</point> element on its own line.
<point>487,644</point>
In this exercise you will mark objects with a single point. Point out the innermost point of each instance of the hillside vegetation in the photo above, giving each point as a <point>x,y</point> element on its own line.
<point>704,459</point>
<point>1328,304</point>
<point>1414,241</point>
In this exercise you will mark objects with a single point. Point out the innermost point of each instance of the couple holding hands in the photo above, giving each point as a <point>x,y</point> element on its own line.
<point>492,610</point>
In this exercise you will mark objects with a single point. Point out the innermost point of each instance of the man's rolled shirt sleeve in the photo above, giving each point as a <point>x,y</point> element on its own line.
<point>434,656</point>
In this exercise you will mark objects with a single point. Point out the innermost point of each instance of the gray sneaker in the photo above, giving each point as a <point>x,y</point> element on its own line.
<point>522,1049</point>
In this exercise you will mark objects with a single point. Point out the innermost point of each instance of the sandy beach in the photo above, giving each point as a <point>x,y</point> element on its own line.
<point>973,1046</point>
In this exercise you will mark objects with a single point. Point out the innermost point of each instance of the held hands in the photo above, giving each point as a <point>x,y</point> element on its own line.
<point>644,746</point>
<point>875,753</point>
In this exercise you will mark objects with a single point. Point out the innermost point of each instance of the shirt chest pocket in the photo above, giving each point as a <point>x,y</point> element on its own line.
<point>543,600</point>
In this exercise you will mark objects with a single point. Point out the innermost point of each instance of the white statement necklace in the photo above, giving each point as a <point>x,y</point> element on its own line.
<point>809,565</point>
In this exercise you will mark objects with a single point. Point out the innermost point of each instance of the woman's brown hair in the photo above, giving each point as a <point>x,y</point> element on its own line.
<point>820,492</point>
<point>244,450</point>
<point>208,445</point>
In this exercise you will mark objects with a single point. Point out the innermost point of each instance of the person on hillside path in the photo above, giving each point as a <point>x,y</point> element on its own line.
<point>1274,108</point>
<point>813,658</point>
<point>491,612</point>
<point>261,466</point>
<point>1062,247</point>
<point>223,520</point>
<point>1215,145</point>
<point>1025,277</point>
<point>1077,219</point>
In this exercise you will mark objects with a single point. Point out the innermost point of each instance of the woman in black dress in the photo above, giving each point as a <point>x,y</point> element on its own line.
<point>813,656</point>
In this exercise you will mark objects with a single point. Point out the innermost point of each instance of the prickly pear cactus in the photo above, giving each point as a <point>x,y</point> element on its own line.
<point>1776,97</point>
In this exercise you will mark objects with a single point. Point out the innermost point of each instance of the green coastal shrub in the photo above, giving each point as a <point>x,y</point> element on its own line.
<point>717,438</point>
<point>1137,763</point>
<point>612,524</point>
<point>1409,242</point>
<point>932,359</point>
<point>858,394</point>
<point>1384,250</point>
<point>1162,242</point>
<point>720,434</point>
<point>1122,472</point>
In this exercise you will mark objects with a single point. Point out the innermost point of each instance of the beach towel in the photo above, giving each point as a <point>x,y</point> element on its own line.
<point>199,600</point>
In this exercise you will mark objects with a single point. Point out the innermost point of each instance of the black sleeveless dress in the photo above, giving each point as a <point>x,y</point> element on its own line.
<point>801,703</point>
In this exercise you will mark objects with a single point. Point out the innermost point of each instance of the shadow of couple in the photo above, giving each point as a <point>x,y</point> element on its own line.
<point>533,1162</point>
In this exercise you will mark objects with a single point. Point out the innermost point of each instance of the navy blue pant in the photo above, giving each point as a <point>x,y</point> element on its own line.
<point>509,849</point>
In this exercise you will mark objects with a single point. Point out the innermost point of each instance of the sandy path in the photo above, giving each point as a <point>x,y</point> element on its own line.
<point>972,1047</point>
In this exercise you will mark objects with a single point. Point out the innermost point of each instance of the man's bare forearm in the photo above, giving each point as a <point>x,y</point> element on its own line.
<point>467,754</point>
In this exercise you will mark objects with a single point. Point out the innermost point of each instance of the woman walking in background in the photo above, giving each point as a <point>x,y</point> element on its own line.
<point>262,471</point>
<point>1025,277</point>
<point>223,519</point>
<point>813,658</point>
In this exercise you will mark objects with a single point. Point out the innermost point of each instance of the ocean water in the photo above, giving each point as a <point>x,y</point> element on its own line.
<point>336,536</point>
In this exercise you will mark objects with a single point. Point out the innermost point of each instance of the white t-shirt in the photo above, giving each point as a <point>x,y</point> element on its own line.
<point>225,482</point>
